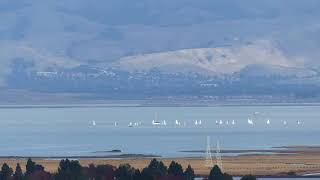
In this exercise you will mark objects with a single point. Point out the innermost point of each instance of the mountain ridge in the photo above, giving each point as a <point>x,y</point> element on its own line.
<point>161,48</point>
<point>221,60</point>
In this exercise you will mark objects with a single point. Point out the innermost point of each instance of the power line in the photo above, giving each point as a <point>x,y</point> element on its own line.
<point>208,160</point>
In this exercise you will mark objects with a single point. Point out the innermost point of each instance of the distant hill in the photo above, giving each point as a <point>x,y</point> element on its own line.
<point>150,48</point>
<point>214,61</point>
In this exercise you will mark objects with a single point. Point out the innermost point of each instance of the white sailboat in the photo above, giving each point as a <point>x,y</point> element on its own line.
<point>233,122</point>
<point>217,122</point>
<point>250,122</point>
<point>196,123</point>
<point>268,122</point>
<point>200,122</point>
<point>164,123</point>
<point>220,122</point>
<point>177,123</point>
<point>285,123</point>
<point>155,122</point>
<point>130,124</point>
<point>94,123</point>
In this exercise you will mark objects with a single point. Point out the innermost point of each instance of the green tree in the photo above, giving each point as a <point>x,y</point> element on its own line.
<point>30,167</point>
<point>104,172</point>
<point>69,170</point>
<point>157,168</point>
<point>38,167</point>
<point>175,169</point>
<point>215,173</point>
<point>6,172</point>
<point>18,174</point>
<point>92,171</point>
<point>125,172</point>
<point>154,169</point>
<point>226,176</point>
<point>189,173</point>
<point>137,175</point>
<point>249,177</point>
<point>146,175</point>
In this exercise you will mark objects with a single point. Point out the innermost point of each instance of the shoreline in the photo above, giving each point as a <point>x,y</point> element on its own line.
<point>120,156</point>
<point>138,105</point>
<point>112,154</point>
<point>302,163</point>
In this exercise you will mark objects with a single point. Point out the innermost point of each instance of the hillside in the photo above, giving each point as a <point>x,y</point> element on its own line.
<point>150,48</point>
<point>223,60</point>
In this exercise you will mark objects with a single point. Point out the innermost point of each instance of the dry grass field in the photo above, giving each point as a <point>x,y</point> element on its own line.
<point>280,164</point>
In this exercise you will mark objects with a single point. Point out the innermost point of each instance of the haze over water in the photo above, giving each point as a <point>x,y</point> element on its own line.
<point>69,131</point>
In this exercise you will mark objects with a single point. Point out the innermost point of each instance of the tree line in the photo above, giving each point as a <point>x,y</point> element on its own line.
<point>72,170</point>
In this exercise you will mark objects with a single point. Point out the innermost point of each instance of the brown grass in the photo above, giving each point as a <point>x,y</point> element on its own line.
<point>238,165</point>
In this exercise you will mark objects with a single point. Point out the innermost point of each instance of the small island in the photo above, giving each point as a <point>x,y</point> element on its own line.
<point>110,151</point>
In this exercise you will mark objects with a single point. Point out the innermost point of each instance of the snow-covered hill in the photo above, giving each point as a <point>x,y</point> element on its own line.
<point>224,60</point>
<point>182,35</point>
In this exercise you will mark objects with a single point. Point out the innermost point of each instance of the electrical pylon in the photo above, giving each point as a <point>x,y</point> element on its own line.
<point>208,160</point>
<point>218,156</point>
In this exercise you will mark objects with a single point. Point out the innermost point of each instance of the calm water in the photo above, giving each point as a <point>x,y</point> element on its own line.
<point>69,131</point>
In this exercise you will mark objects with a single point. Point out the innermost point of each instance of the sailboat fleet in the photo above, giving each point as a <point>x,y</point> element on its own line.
<point>252,121</point>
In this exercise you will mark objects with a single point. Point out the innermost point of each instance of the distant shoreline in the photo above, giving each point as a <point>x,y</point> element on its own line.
<point>120,156</point>
<point>302,164</point>
<point>281,150</point>
<point>136,105</point>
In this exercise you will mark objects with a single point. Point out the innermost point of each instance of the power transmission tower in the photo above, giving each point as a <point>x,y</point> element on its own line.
<point>208,160</point>
<point>218,156</point>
